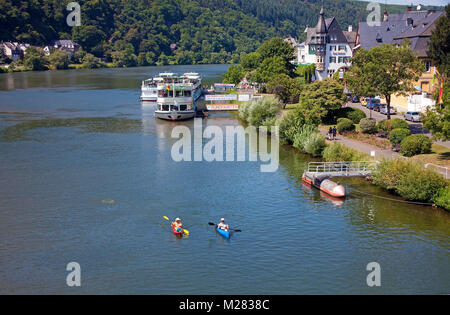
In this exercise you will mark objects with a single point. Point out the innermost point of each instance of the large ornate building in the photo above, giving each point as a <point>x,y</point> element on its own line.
<point>327,47</point>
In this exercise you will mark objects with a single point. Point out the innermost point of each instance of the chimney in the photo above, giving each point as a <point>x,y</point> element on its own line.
<point>350,28</point>
<point>385,16</point>
<point>409,8</point>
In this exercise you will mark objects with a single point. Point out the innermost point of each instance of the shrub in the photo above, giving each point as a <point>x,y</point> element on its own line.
<point>356,115</point>
<point>344,125</point>
<point>416,144</point>
<point>257,112</point>
<point>300,138</point>
<point>315,144</point>
<point>388,125</point>
<point>408,179</point>
<point>368,125</point>
<point>397,135</point>
<point>442,198</point>
<point>340,153</point>
<point>290,124</point>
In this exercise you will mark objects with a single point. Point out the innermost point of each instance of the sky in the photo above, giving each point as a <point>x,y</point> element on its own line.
<point>414,2</point>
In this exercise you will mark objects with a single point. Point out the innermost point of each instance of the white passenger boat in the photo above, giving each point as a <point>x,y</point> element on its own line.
<point>177,95</point>
<point>149,90</point>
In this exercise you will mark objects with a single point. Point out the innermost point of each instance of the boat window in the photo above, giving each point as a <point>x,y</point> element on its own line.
<point>187,93</point>
<point>183,107</point>
<point>179,94</point>
<point>165,108</point>
<point>173,107</point>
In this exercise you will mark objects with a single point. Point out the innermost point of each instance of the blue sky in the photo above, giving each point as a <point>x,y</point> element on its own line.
<point>415,2</point>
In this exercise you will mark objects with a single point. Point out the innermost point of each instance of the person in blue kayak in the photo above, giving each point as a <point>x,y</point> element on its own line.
<point>222,225</point>
<point>177,225</point>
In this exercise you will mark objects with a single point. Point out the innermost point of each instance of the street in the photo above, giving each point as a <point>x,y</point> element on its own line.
<point>416,127</point>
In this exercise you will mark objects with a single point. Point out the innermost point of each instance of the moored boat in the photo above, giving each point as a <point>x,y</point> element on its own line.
<point>177,95</point>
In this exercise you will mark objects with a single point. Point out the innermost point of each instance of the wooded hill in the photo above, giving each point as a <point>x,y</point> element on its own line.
<point>204,31</point>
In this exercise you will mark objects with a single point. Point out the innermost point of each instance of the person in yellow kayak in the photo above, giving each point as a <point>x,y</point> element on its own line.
<point>177,225</point>
<point>222,225</point>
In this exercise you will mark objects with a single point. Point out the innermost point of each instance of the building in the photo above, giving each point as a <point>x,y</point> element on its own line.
<point>13,51</point>
<point>327,47</point>
<point>416,27</point>
<point>66,45</point>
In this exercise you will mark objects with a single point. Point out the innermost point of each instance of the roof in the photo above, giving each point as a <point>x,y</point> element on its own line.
<point>321,27</point>
<point>351,38</point>
<point>398,27</point>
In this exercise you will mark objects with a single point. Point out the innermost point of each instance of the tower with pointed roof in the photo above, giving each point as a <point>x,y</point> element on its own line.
<point>321,41</point>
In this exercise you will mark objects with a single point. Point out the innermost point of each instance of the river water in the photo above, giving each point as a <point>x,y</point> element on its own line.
<point>86,176</point>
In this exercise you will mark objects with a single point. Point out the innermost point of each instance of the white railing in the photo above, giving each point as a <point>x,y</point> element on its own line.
<point>441,169</point>
<point>353,168</point>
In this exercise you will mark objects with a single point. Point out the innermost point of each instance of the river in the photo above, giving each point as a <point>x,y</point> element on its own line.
<point>86,176</point>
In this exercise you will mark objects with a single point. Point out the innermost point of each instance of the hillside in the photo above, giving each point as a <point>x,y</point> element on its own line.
<point>204,31</point>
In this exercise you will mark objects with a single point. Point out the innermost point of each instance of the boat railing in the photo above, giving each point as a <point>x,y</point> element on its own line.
<point>350,168</point>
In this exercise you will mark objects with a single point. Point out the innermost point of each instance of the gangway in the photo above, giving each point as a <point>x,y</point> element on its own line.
<point>342,169</point>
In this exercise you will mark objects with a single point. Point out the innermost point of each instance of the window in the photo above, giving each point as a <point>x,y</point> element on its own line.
<point>331,72</point>
<point>332,48</point>
<point>341,59</point>
<point>428,66</point>
<point>342,48</point>
<point>332,59</point>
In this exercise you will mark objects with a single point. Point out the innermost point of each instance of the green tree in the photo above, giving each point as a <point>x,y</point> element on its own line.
<point>59,59</point>
<point>320,98</point>
<point>384,70</point>
<point>286,88</point>
<point>35,59</point>
<point>278,48</point>
<point>251,61</point>
<point>91,62</point>
<point>234,74</point>
<point>437,119</point>
<point>270,68</point>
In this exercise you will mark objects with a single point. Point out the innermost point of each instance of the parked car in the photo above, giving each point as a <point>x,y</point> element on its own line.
<point>377,107</point>
<point>355,99</point>
<point>412,116</point>
<point>372,102</point>
<point>383,110</point>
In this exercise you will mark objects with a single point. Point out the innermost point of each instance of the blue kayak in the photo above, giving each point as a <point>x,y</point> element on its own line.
<point>224,233</point>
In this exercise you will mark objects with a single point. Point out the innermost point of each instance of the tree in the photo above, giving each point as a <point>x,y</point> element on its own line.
<point>437,119</point>
<point>59,59</point>
<point>251,61</point>
<point>320,98</point>
<point>439,45</point>
<point>384,70</point>
<point>234,74</point>
<point>286,88</point>
<point>270,68</point>
<point>91,62</point>
<point>278,48</point>
<point>35,59</point>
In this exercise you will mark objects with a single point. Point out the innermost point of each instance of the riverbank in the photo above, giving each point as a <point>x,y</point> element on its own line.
<point>400,175</point>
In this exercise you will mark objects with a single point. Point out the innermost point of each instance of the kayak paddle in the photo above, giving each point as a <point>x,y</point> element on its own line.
<point>210,223</point>
<point>184,230</point>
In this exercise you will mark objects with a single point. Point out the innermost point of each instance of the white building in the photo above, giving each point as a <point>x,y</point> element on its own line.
<point>327,47</point>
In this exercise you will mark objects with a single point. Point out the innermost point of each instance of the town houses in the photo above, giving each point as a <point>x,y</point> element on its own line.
<point>330,48</point>
<point>16,51</point>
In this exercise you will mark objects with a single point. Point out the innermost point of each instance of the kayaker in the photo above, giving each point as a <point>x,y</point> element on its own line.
<point>222,225</point>
<point>177,225</point>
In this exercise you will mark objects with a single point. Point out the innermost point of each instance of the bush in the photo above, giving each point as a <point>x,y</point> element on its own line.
<point>340,153</point>
<point>408,179</point>
<point>290,124</point>
<point>442,198</point>
<point>300,138</point>
<point>416,144</point>
<point>356,115</point>
<point>397,135</point>
<point>368,125</point>
<point>260,111</point>
<point>315,144</point>
<point>388,125</point>
<point>345,124</point>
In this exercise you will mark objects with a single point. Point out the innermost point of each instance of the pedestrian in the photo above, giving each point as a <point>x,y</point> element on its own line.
<point>330,133</point>
<point>334,132</point>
